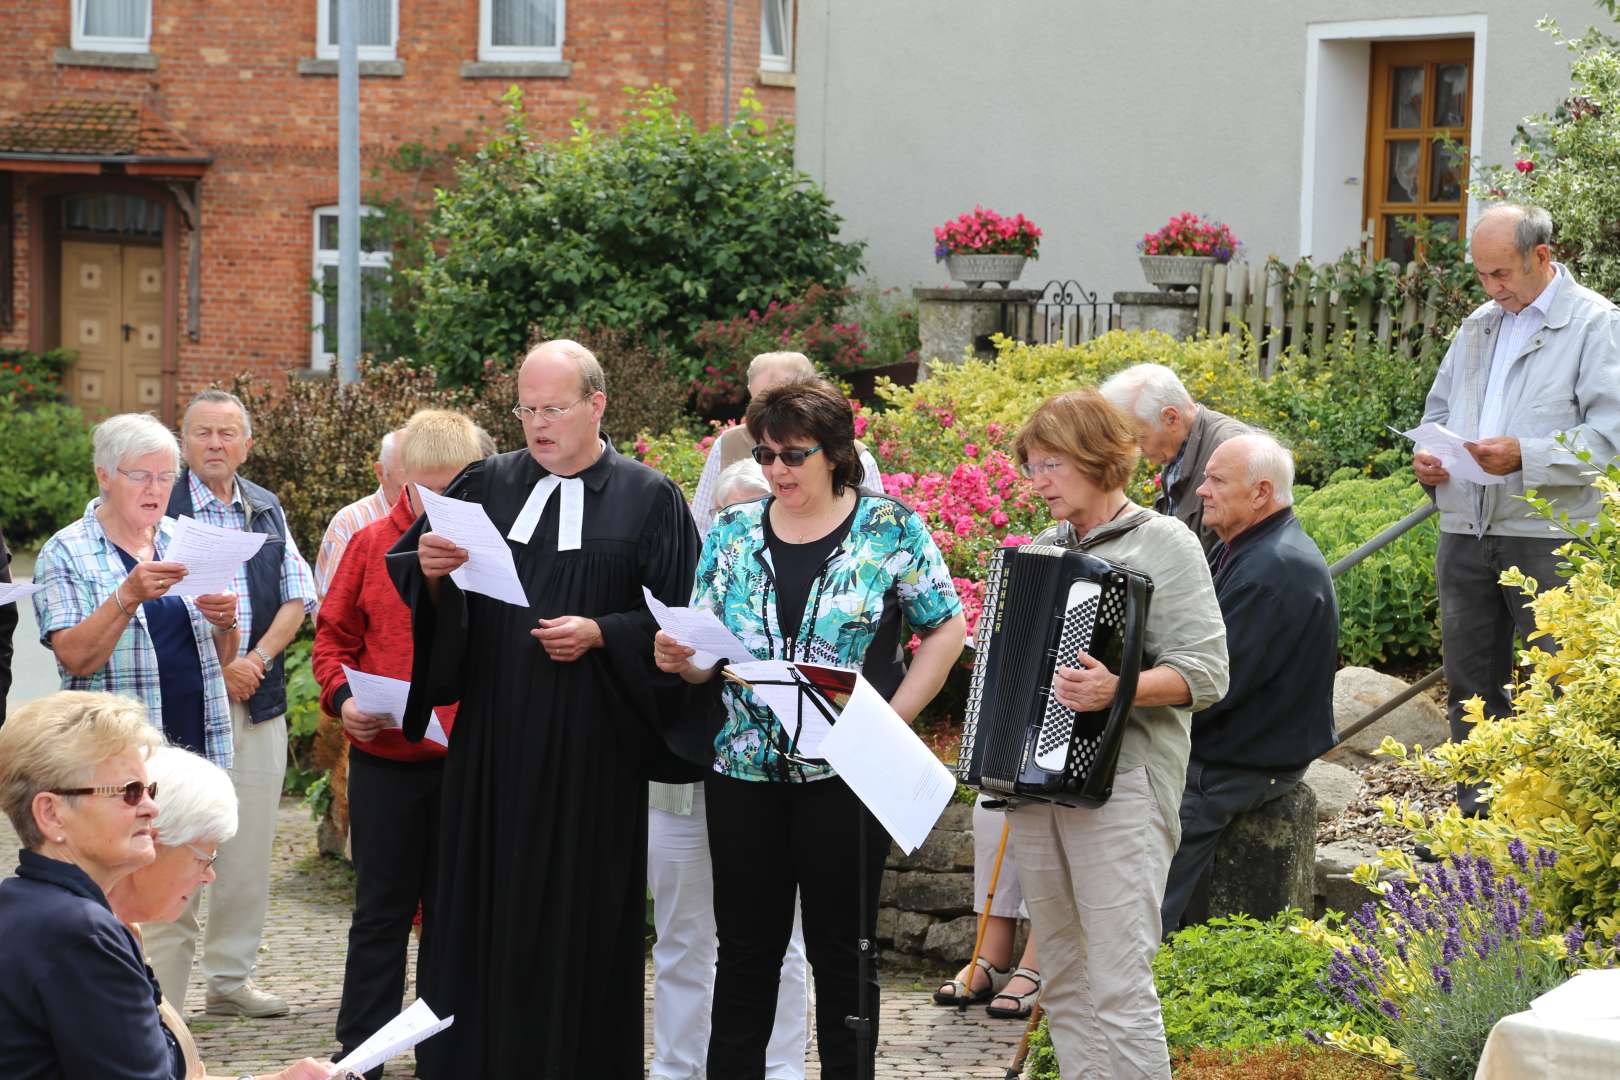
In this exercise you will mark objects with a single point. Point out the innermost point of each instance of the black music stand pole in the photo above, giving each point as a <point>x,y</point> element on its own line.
<point>861,1023</point>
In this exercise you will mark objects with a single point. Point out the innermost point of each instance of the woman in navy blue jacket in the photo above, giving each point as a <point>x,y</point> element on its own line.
<point>76,998</point>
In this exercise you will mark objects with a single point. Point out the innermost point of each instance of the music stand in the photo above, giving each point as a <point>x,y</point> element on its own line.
<point>862,1022</point>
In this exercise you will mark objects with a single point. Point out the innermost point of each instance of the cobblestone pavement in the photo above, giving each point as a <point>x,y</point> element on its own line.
<point>302,960</point>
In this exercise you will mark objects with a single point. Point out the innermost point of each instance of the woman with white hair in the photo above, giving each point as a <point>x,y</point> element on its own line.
<point>105,607</point>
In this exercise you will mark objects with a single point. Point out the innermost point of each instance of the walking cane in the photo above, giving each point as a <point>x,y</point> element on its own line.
<point>1016,1069</point>
<point>984,916</point>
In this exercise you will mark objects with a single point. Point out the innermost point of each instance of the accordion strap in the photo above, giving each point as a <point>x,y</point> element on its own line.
<point>1112,531</point>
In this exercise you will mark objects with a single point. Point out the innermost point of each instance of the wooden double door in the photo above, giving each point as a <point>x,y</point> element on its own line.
<point>112,317</point>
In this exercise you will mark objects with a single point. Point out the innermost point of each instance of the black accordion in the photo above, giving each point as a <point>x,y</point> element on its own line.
<point>1042,605</point>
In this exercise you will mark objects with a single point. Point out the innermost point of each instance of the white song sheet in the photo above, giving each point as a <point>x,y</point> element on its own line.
<point>17,590</point>
<point>489,568</point>
<point>395,1037</point>
<point>1447,445</point>
<point>888,767</point>
<point>380,695</point>
<point>210,554</point>
<point>697,629</point>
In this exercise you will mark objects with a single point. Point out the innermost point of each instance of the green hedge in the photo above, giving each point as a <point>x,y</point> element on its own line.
<point>46,472</point>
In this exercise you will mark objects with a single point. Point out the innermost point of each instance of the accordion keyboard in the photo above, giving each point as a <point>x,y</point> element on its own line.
<point>1057,724</point>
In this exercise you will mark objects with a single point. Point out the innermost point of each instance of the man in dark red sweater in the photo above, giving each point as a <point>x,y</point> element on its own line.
<point>393,784</point>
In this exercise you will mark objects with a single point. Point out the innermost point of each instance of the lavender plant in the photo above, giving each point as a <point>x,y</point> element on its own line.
<point>1431,968</point>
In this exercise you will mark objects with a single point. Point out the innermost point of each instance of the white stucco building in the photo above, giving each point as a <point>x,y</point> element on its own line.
<point>1294,121</point>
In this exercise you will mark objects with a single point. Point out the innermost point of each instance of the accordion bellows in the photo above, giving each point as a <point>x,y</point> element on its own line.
<point>1042,605</point>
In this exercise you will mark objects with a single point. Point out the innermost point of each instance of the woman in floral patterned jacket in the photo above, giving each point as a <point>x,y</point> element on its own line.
<point>822,572</point>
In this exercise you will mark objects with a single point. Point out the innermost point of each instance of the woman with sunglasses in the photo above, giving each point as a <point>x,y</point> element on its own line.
<point>823,572</point>
<point>105,607</point>
<point>76,999</point>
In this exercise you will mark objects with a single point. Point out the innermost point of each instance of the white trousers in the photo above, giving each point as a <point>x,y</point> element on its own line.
<point>1092,880</point>
<point>1009,899</point>
<point>682,882</point>
<point>240,893</point>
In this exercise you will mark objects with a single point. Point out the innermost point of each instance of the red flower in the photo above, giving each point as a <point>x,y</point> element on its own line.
<point>1524,165</point>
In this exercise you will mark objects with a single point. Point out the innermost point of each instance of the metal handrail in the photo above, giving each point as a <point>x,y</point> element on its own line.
<point>1383,539</point>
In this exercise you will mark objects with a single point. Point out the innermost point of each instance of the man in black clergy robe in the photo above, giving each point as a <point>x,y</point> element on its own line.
<point>536,944</point>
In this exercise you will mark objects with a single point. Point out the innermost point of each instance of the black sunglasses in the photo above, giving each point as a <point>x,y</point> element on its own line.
<point>792,456</point>
<point>131,791</point>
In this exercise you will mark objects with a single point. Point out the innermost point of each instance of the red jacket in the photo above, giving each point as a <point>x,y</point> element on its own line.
<point>364,624</point>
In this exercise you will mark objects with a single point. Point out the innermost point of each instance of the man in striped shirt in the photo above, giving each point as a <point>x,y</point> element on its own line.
<point>360,513</point>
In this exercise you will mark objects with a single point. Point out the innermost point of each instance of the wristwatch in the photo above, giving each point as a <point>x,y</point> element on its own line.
<point>264,657</point>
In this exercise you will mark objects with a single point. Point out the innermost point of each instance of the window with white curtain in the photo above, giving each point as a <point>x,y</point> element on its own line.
<point>776,35</point>
<point>375,36</point>
<point>112,25</point>
<point>375,260</point>
<point>520,29</point>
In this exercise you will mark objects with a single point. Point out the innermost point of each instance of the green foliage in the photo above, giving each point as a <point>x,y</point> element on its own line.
<point>654,226</point>
<point>1551,770</point>
<point>678,453</point>
<point>1569,162</point>
<point>303,717</point>
<point>1388,605</point>
<point>888,321</point>
<point>46,472</point>
<point>1234,982</point>
<point>30,378</point>
<point>807,325</point>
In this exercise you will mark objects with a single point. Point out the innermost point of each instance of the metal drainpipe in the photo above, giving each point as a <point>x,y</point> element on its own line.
<point>725,106</point>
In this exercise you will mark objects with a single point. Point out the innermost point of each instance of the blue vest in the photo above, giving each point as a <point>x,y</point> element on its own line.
<point>264,581</point>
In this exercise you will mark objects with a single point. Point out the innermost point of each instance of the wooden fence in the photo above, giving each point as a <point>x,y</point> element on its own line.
<point>1275,309</point>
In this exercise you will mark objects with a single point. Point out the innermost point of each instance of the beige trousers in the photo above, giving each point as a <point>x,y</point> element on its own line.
<point>240,894</point>
<point>1092,881</point>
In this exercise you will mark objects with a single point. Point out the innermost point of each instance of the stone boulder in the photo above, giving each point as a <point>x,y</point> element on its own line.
<point>1266,859</point>
<point>1335,863</point>
<point>1334,786</point>
<point>936,894</point>
<point>951,940</point>
<point>1357,691</point>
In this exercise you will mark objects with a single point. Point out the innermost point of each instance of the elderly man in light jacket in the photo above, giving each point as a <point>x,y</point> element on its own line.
<point>1538,363</point>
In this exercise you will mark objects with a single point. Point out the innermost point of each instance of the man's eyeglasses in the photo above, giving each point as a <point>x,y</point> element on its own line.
<point>142,477</point>
<point>202,856</point>
<point>549,413</point>
<point>792,456</point>
<point>131,791</point>
<point>1031,469</point>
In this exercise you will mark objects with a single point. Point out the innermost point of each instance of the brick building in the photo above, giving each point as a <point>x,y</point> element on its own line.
<point>169,167</point>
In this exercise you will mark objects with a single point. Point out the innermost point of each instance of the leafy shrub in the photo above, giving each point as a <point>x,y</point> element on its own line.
<point>808,325</point>
<point>46,472</point>
<point>654,226</point>
<point>1565,158</point>
<point>1552,769</point>
<point>30,378</point>
<point>303,716</point>
<point>888,322</point>
<point>1233,982</point>
<point>678,454</point>
<point>1388,604</point>
<point>1434,964</point>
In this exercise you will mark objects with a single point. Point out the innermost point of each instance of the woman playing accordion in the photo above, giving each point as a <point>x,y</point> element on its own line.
<point>1093,876</point>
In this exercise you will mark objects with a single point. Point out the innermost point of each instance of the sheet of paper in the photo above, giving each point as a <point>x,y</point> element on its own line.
<point>1447,445</point>
<point>210,554</point>
<point>1588,995</point>
<point>16,590</point>
<point>697,629</point>
<point>489,568</point>
<point>380,695</point>
<point>395,1037</point>
<point>763,678</point>
<point>888,767</point>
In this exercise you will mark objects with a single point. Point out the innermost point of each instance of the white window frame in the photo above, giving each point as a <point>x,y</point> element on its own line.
<point>86,42</point>
<point>1336,88</point>
<point>319,358</point>
<point>768,61</point>
<point>324,31</point>
<point>489,51</point>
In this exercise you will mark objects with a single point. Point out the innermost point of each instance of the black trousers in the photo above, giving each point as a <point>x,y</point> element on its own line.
<point>394,833</point>
<point>766,841</point>
<point>1479,618</point>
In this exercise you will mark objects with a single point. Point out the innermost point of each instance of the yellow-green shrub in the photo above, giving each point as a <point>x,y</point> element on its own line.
<point>1552,769</point>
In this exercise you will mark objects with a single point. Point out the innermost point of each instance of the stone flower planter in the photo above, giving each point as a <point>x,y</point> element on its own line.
<point>1167,272</point>
<point>976,271</point>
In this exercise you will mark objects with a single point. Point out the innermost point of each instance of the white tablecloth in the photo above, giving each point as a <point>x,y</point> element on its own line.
<point>1529,1046</point>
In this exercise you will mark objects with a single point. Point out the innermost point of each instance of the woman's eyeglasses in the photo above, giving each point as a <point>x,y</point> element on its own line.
<point>131,791</point>
<point>142,477</point>
<point>202,856</point>
<point>792,456</point>
<point>1029,470</point>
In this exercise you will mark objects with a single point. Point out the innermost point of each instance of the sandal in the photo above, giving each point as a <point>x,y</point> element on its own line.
<point>1026,1000</point>
<point>960,994</point>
